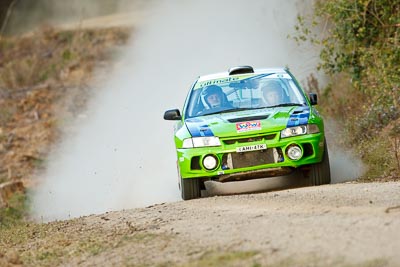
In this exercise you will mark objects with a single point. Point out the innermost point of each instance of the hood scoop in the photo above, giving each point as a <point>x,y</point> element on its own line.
<point>249,118</point>
<point>301,110</point>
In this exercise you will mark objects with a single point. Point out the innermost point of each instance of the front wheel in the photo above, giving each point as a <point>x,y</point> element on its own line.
<point>190,188</point>
<point>320,173</point>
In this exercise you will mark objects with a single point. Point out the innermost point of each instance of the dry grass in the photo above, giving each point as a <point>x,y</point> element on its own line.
<point>54,56</point>
<point>37,73</point>
<point>71,242</point>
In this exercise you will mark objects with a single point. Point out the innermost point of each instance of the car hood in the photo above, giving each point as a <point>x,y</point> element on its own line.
<point>248,121</point>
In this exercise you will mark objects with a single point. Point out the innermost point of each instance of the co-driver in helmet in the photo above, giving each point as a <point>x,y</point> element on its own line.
<point>273,93</point>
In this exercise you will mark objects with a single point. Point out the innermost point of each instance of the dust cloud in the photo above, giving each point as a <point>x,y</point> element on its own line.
<point>123,154</point>
<point>345,166</point>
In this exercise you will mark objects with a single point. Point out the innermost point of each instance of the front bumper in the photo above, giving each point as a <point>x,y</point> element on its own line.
<point>250,165</point>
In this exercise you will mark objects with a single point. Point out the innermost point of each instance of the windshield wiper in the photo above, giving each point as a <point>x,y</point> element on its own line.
<point>286,105</point>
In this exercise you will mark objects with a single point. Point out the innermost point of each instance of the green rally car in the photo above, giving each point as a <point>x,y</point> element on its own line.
<point>248,124</point>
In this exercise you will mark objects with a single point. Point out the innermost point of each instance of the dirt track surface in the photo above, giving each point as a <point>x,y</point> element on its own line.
<point>334,225</point>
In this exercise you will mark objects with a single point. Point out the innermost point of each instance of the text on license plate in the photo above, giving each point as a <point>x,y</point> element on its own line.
<point>251,148</point>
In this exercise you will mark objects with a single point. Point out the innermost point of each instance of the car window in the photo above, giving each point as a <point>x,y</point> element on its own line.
<point>252,91</point>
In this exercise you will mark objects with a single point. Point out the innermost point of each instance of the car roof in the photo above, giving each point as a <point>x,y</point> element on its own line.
<point>226,73</point>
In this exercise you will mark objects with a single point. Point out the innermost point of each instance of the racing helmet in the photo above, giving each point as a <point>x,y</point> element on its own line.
<point>210,90</point>
<point>273,86</point>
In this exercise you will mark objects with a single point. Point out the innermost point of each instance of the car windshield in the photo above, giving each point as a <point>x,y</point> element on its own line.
<point>243,92</point>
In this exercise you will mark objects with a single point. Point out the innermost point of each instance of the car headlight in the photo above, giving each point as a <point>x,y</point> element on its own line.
<point>201,142</point>
<point>299,130</point>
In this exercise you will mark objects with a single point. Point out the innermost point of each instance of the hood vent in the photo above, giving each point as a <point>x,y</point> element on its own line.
<point>250,118</point>
<point>301,110</point>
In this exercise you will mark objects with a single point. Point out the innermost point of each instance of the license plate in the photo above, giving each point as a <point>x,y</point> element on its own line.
<point>251,148</point>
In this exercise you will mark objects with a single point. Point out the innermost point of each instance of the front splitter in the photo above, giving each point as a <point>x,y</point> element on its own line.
<point>296,179</point>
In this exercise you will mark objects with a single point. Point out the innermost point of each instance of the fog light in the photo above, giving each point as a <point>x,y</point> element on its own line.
<point>294,152</point>
<point>210,162</point>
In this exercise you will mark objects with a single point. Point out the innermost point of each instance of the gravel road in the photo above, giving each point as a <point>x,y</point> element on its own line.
<point>349,224</point>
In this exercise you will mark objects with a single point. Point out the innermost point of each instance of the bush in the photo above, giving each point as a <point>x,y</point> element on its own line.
<point>360,40</point>
<point>15,212</point>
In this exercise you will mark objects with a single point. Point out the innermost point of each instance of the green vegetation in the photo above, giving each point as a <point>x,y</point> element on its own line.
<point>15,211</point>
<point>359,42</point>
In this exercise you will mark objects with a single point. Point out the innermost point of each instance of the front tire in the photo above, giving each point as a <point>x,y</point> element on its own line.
<point>190,188</point>
<point>320,173</point>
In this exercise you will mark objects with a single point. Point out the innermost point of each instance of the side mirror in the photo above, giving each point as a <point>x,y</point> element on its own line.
<point>172,115</point>
<point>313,98</point>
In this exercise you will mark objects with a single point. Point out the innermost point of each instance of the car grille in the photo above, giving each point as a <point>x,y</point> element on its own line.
<point>249,159</point>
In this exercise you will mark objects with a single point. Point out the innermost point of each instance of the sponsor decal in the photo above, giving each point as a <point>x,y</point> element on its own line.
<point>217,81</point>
<point>248,126</point>
<point>230,79</point>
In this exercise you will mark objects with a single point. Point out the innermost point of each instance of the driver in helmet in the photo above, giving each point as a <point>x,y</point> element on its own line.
<point>214,98</point>
<point>273,93</point>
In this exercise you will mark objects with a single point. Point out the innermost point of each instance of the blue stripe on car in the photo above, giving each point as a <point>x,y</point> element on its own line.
<point>198,130</point>
<point>299,117</point>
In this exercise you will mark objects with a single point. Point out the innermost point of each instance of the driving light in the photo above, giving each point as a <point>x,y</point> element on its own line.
<point>210,162</point>
<point>294,152</point>
<point>201,142</point>
<point>299,130</point>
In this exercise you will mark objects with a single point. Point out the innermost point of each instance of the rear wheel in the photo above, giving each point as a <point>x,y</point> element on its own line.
<point>190,188</point>
<point>320,173</point>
